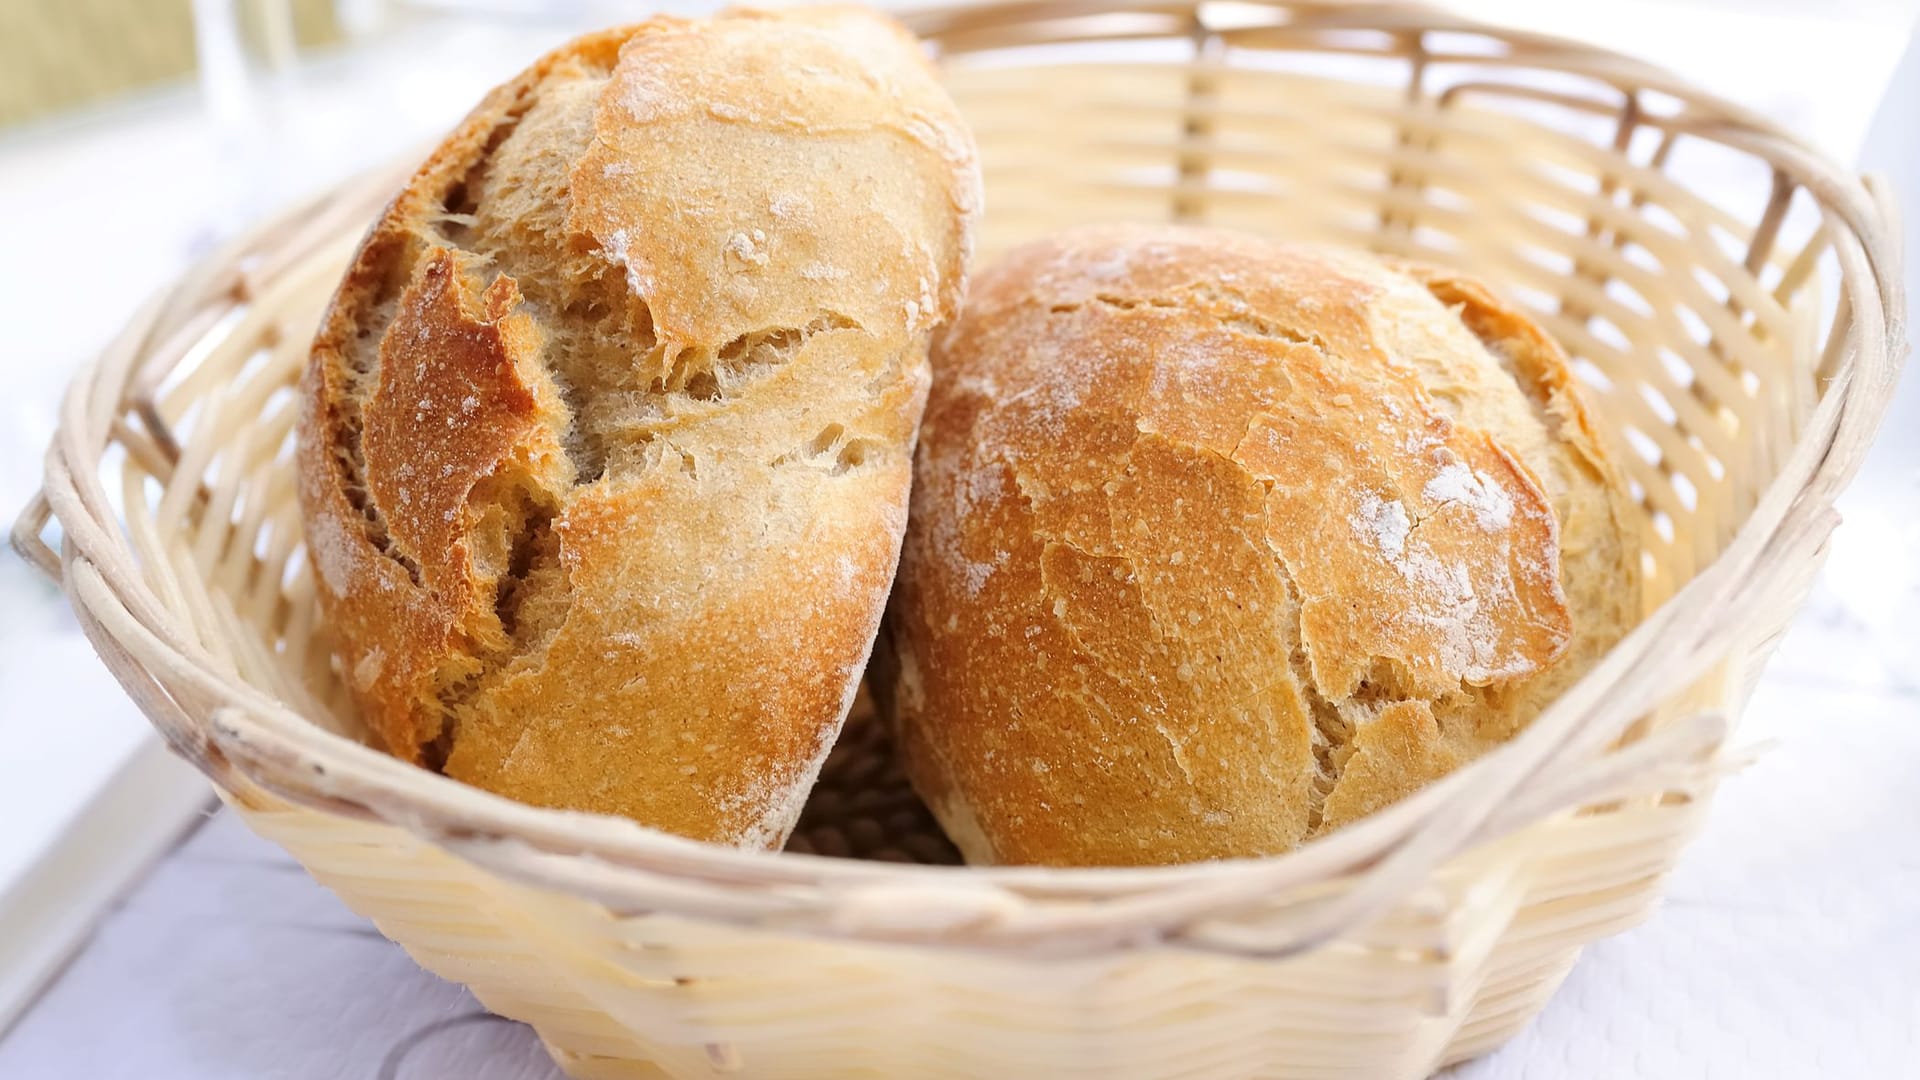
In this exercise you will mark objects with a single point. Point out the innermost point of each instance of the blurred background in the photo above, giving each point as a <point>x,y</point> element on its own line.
<point>137,135</point>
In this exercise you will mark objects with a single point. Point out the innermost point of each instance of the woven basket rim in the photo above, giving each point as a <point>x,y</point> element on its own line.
<point>1388,16</point>
<point>1366,866</point>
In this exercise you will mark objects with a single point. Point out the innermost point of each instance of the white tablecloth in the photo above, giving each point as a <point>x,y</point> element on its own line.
<point>1789,945</point>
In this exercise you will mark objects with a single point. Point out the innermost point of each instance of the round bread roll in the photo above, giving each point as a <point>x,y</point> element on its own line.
<point>1218,544</point>
<point>608,433</point>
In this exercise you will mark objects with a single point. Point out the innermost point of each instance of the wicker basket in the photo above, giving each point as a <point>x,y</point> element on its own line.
<point>1740,350</point>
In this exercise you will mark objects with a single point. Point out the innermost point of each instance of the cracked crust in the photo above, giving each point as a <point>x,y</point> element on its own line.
<point>607,435</point>
<point>1218,544</point>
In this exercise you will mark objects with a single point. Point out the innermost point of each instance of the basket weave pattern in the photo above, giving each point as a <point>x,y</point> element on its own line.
<point>1738,353</point>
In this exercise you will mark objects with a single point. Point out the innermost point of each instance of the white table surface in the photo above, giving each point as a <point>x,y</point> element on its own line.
<point>1789,945</point>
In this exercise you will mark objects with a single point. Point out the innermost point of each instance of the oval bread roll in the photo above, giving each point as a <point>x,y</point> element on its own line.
<point>608,433</point>
<point>1218,544</point>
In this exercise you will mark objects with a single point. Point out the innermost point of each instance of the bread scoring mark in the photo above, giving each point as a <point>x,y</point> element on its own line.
<point>357,371</point>
<point>516,543</point>
<point>396,255</point>
<point>456,216</point>
<point>535,544</point>
<point>834,450</point>
<point>1117,303</point>
<point>596,334</point>
<point>752,354</point>
<point>1228,308</point>
<point>1331,733</point>
<point>474,488</point>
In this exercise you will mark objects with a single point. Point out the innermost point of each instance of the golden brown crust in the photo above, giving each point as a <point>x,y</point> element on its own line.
<point>607,435</point>
<point>1218,543</point>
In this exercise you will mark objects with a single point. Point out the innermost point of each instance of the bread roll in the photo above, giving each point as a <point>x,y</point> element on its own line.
<point>1218,544</point>
<point>608,433</point>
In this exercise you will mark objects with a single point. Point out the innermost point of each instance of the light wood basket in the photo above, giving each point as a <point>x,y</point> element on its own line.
<point>1729,295</point>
